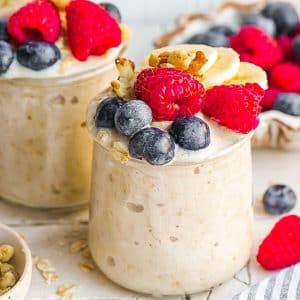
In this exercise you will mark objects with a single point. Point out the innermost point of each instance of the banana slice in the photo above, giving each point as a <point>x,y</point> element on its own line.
<point>225,68</point>
<point>184,55</point>
<point>7,7</point>
<point>249,73</point>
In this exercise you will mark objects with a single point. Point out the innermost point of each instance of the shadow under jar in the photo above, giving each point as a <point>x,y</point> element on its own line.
<point>174,229</point>
<point>45,152</point>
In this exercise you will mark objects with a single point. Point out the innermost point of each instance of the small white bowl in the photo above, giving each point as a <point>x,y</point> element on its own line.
<point>22,261</point>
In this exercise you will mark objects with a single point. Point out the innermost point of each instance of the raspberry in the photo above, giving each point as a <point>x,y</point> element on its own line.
<point>91,30</point>
<point>256,46</point>
<point>281,248</point>
<point>286,76</point>
<point>269,98</point>
<point>285,43</point>
<point>36,21</point>
<point>235,106</point>
<point>170,92</point>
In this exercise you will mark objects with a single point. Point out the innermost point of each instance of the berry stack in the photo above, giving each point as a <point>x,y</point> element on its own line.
<point>30,35</point>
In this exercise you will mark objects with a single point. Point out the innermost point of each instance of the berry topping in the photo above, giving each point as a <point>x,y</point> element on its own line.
<point>235,106</point>
<point>112,10</point>
<point>91,30</point>
<point>3,31</point>
<point>105,113</point>
<point>260,21</point>
<point>281,248</point>
<point>152,144</point>
<point>279,199</point>
<point>37,55</point>
<point>270,96</point>
<point>296,49</point>
<point>286,76</point>
<point>6,56</point>
<point>214,39</point>
<point>37,21</point>
<point>284,15</point>
<point>170,92</point>
<point>256,46</point>
<point>190,133</point>
<point>221,29</point>
<point>288,103</point>
<point>132,117</point>
<point>285,43</point>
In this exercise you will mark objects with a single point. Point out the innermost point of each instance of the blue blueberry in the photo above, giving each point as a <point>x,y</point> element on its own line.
<point>222,29</point>
<point>279,199</point>
<point>106,110</point>
<point>6,56</point>
<point>288,103</point>
<point>209,38</point>
<point>266,24</point>
<point>190,133</point>
<point>3,31</point>
<point>284,15</point>
<point>154,145</point>
<point>37,55</point>
<point>296,49</point>
<point>112,10</point>
<point>132,117</point>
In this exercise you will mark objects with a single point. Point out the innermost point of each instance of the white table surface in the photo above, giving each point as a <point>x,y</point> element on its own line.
<point>49,234</point>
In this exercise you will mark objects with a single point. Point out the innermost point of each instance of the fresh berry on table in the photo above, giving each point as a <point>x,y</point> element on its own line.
<point>210,38</point>
<point>6,56</point>
<point>296,49</point>
<point>190,133</point>
<point>112,10</point>
<point>279,199</point>
<point>132,117</point>
<point>257,19</point>
<point>222,29</point>
<point>281,247</point>
<point>37,55</point>
<point>105,114</point>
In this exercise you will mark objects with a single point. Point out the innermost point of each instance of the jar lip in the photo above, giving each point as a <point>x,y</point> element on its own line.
<point>63,79</point>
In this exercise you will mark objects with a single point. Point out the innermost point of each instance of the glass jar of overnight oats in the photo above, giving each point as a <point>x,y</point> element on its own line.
<point>171,200</point>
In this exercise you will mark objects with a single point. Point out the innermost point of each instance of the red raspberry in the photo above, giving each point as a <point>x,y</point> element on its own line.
<point>297,30</point>
<point>91,30</point>
<point>256,46</point>
<point>269,98</point>
<point>286,76</point>
<point>38,21</point>
<point>169,92</point>
<point>285,43</point>
<point>281,248</point>
<point>234,106</point>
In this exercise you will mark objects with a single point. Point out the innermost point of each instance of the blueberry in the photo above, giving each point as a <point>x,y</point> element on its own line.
<point>37,55</point>
<point>154,145</point>
<point>296,49</point>
<point>284,15</point>
<point>190,133</point>
<point>209,38</point>
<point>3,31</point>
<point>106,110</point>
<point>112,10</point>
<point>266,24</point>
<point>221,29</point>
<point>132,117</point>
<point>6,56</point>
<point>279,199</point>
<point>288,103</point>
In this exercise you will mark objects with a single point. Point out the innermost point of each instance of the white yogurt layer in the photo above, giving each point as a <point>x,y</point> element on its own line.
<point>66,66</point>
<point>221,138</point>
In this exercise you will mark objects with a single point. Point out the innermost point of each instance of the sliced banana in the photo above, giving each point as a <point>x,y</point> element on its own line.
<point>225,68</point>
<point>210,54</point>
<point>249,73</point>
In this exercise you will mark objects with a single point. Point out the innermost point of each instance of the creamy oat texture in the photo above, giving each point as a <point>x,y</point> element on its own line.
<point>183,227</point>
